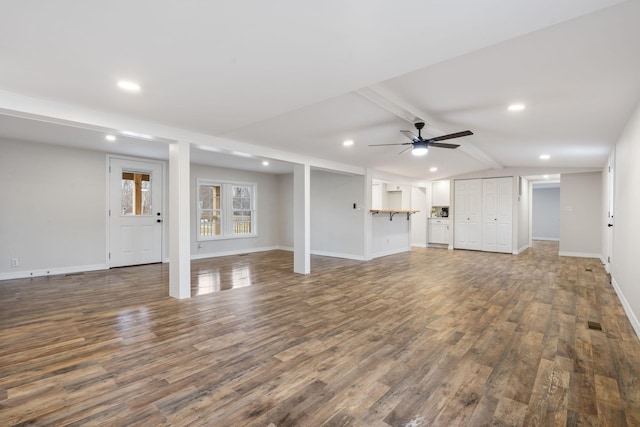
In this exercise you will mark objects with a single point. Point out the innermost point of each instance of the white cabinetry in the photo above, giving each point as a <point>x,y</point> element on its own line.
<point>497,215</point>
<point>468,213</point>
<point>439,231</point>
<point>440,194</point>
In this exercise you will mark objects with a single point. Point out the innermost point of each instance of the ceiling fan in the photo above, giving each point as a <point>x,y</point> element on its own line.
<point>420,146</point>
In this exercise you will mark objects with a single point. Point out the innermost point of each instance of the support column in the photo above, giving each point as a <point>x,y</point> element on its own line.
<point>368,218</point>
<point>301,219</point>
<point>179,221</point>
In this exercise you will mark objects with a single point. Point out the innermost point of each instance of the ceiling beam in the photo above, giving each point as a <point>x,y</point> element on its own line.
<point>411,114</point>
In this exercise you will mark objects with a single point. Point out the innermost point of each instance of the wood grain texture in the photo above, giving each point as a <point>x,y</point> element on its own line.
<point>427,338</point>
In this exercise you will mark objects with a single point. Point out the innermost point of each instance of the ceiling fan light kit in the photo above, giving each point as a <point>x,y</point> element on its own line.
<point>419,149</point>
<point>420,146</point>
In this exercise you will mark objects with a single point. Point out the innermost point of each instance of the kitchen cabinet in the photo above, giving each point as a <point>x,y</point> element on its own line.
<point>439,230</point>
<point>440,193</point>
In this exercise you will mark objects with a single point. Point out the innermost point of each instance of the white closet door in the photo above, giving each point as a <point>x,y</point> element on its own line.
<point>505,215</point>
<point>489,215</point>
<point>460,218</point>
<point>468,214</point>
<point>474,213</point>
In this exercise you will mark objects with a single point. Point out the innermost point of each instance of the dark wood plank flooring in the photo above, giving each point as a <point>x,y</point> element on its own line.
<point>427,338</point>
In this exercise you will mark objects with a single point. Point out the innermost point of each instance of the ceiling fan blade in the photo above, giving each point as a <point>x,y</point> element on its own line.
<point>443,145</point>
<point>406,149</point>
<point>410,135</point>
<point>451,136</point>
<point>380,145</point>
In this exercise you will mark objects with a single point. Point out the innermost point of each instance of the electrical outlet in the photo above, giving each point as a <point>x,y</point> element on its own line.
<point>15,262</point>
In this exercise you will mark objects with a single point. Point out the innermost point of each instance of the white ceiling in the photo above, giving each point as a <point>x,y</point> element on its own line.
<point>302,78</point>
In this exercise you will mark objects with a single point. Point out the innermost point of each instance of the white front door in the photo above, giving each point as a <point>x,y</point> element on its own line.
<point>135,212</point>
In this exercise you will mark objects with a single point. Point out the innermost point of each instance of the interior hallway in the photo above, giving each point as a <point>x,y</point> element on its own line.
<point>430,337</point>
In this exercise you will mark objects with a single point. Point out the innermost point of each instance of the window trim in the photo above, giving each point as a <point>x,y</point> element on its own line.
<point>226,209</point>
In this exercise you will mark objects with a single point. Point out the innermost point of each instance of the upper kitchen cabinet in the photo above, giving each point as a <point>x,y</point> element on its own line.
<point>440,194</point>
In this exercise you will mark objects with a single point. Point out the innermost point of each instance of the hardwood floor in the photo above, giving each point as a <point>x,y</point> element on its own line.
<point>427,338</point>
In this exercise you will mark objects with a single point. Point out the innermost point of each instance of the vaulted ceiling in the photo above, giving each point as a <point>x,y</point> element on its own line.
<point>303,77</point>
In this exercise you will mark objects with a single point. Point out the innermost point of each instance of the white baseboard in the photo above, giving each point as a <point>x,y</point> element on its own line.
<point>338,255</point>
<point>520,250</point>
<point>234,252</point>
<point>627,308</point>
<point>52,271</point>
<point>554,239</point>
<point>419,245</point>
<point>580,254</point>
<point>392,252</point>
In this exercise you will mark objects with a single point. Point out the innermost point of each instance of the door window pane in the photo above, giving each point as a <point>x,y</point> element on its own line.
<point>136,193</point>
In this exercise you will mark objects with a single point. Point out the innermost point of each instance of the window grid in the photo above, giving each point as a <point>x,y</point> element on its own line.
<point>225,210</point>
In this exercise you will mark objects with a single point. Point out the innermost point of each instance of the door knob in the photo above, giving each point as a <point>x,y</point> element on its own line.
<point>609,225</point>
<point>158,220</point>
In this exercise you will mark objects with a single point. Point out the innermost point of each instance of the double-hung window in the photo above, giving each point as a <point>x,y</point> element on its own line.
<point>226,210</point>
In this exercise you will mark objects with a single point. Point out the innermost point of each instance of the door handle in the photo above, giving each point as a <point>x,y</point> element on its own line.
<point>158,220</point>
<point>609,225</point>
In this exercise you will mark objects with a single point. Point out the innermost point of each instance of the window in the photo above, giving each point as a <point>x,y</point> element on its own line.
<point>226,210</point>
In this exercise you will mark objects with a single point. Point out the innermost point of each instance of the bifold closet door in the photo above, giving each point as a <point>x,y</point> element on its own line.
<point>468,214</point>
<point>490,215</point>
<point>504,237</point>
<point>497,214</point>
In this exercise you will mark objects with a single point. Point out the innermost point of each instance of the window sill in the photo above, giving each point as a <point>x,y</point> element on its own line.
<point>213,239</point>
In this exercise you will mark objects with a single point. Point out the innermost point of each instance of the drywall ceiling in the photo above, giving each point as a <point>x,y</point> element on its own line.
<point>302,78</point>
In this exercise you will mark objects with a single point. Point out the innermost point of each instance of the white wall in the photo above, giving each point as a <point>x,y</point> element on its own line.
<point>285,226</point>
<point>53,209</point>
<point>268,212</point>
<point>546,213</point>
<point>626,231</point>
<point>390,237</point>
<point>337,229</point>
<point>581,214</point>
<point>419,219</point>
<point>522,196</point>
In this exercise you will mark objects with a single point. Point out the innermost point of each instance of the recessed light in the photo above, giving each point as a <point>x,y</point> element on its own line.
<point>129,86</point>
<point>348,143</point>
<point>136,135</point>
<point>208,148</point>
<point>433,170</point>
<point>241,154</point>
<point>265,163</point>
<point>544,157</point>
<point>110,138</point>
<point>516,107</point>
